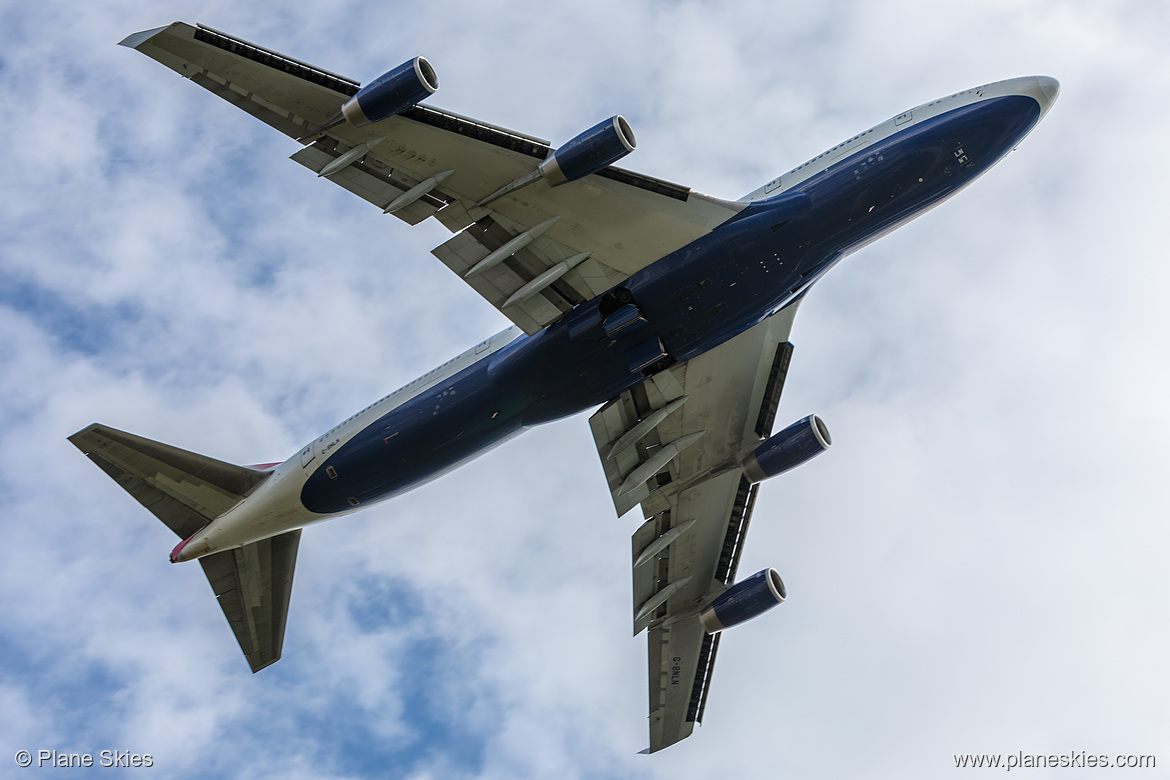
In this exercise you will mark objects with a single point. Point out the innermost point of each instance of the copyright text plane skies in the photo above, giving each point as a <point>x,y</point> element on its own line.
<point>668,309</point>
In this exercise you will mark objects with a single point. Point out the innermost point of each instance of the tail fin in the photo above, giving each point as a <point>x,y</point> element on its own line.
<point>186,491</point>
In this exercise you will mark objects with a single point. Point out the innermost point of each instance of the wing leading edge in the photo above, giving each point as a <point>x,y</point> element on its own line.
<point>697,504</point>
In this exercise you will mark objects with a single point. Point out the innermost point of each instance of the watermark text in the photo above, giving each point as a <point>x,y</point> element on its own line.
<point>64,759</point>
<point>1070,760</point>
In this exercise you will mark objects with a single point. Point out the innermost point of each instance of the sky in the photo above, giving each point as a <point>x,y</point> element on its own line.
<point>977,566</point>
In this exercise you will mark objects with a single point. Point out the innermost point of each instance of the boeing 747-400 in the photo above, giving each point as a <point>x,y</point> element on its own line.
<point>667,310</point>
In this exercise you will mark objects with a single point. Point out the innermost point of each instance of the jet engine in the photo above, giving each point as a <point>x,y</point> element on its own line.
<point>743,601</point>
<point>799,442</point>
<point>599,146</point>
<point>391,93</point>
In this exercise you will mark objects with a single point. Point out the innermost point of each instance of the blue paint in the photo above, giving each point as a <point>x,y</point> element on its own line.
<point>597,147</point>
<point>793,446</point>
<point>694,299</point>
<point>747,599</point>
<point>393,92</point>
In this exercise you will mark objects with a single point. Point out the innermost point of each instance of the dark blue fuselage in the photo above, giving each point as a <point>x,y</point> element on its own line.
<point>685,304</point>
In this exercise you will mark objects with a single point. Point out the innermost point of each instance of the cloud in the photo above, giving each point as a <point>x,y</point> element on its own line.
<point>976,566</point>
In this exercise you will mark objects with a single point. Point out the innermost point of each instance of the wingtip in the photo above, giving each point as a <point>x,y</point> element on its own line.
<point>134,40</point>
<point>77,439</point>
<point>260,664</point>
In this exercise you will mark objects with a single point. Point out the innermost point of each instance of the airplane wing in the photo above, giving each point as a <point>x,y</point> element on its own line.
<point>674,444</point>
<point>572,242</point>
<point>186,491</point>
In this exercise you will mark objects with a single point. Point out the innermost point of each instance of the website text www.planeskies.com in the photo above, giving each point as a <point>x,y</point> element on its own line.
<point>1070,760</point>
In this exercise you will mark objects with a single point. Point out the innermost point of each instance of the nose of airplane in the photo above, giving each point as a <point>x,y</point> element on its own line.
<point>1048,88</point>
<point>1042,89</point>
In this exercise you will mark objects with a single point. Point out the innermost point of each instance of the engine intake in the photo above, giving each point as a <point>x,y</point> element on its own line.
<point>603,144</point>
<point>391,93</point>
<point>796,444</point>
<point>743,601</point>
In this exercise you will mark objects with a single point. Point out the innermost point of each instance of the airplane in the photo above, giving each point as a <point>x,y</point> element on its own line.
<point>667,310</point>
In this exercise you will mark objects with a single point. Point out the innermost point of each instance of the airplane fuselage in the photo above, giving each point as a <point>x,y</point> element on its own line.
<point>785,237</point>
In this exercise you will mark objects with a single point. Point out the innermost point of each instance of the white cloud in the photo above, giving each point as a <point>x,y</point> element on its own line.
<point>977,566</point>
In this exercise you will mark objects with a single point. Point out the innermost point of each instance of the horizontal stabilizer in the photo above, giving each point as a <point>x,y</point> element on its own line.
<point>253,584</point>
<point>183,489</point>
<point>187,491</point>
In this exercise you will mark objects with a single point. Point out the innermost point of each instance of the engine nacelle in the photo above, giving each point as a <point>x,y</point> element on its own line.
<point>599,146</point>
<point>743,601</point>
<point>799,442</point>
<point>391,93</point>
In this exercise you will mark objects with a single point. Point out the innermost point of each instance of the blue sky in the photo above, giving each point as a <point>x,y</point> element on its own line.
<point>978,566</point>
